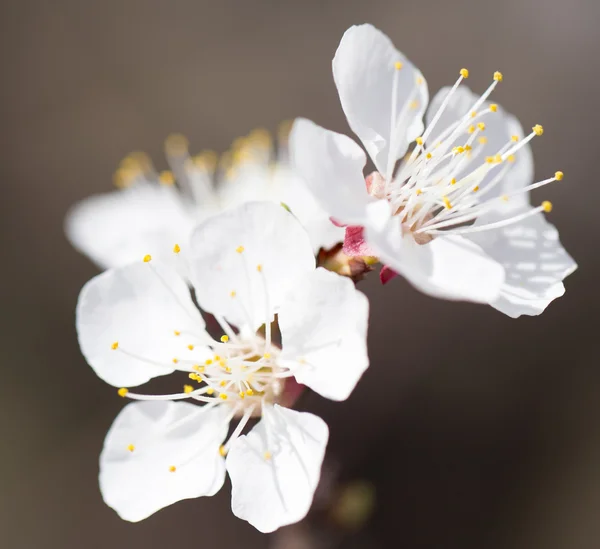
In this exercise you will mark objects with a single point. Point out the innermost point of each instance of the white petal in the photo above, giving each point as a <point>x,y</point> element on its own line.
<point>137,483</point>
<point>139,306</point>
<point>324,333</point>
<point>449,267</point>
<point>364,72</point>
<point>332,165</point>
<point>275,489</point>
<point>293,191</point>
<point>534,261</point>
<point>117,228</point>
<point>500,126</point>
<point>271,238</point>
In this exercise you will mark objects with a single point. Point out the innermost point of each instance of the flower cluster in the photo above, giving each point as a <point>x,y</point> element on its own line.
<point>234,240</point>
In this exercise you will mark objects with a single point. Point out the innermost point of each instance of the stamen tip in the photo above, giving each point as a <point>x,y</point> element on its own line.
<point>547,206</point>
<point>498,76</point>
<point>123,392</point>
<point>559,176</point>
<point>464,73</point>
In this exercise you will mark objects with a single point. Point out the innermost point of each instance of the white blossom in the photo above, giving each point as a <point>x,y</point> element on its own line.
<point>139,321</point>
<point>453,216</point>
<point>151,210</point>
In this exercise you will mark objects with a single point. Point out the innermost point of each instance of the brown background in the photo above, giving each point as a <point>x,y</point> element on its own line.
<point>476,430</point>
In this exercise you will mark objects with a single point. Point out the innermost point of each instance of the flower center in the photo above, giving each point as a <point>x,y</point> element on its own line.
<point>444,183</point>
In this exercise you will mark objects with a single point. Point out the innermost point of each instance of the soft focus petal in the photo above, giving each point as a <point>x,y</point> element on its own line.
<point>332,165</point>
<point>450,267</point>
<point>364,72</point>
<point>294,193</point>
<point>324,333</point>
<point>116,228</point>
<point>275,469</point>
<point>500,126</point>
<point>246,259</point>
<point>158,453</point>
<point>140,307</point>
<point>534,261</point>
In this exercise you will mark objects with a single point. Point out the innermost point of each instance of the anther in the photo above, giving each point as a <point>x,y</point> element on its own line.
<point>494,107</point>
<point>249,392</point>
<point>547,206</point>
<point>475,189</point>
<point>131,447</point>
<point>224,339</point>
<point>428,156</point>
<point>471,129</point>
<point>187,389</point>
<point>259,268</point>
<point>232,293</point>
<point>115,346</point>
<point>175,360</point>
<point>464,73</point>
<point>208,361</point>
<point>414,104</point>
<point>419,80</point>
<point>453,181</point>
<point>398,65</point>
<point>147,258</point>
<point>222,451</point>
<point>483,140</point>
<point>210,391</point>
<point>481,126</point>
<point>511,158</point>
<point>122,392</point>
<point>447,202</point>
<point>498,76</point>
<point>166,178</point>
<point>190,347</point>
<point>473,114</point>
<point>172,469</point>
<point>558,176</point>
<point>267,455</point>
<point>498,159</point>
<point>538,130</point>
<point>239,249</point>
<point>419,140</point>
<point>242,394</point>
<point>489,159</point>
<point>267,355</point>
<point>514,138</point>
<point>223,396</point>
<point>176,248</point>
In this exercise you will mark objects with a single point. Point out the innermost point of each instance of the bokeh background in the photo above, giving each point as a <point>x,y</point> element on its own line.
<point>471,429</point>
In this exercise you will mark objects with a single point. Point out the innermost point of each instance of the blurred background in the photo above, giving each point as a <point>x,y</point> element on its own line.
<point>469,430</point>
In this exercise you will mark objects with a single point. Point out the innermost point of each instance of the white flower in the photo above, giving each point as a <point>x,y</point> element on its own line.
<point>150,212</point>
<point>138,322</point>
<point>453,217</point>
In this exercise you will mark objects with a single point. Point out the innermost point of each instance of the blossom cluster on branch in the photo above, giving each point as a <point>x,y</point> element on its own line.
<point>236,275</point>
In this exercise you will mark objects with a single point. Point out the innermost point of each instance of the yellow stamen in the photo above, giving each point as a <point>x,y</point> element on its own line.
<point>483,140</point>
<point>166,177</point>
<point>267,455</point>
<point>464,73</point>
<point>210,391</point>
<point>494,107</point>
<point>190,347</point>
<point>481,126</point>
<point>547,205</point>
<point>471,129</point>
<point>172,469</point>
<point>453,181</point>
<point>122,392</point>
<point>514,138</point>
<point>177,333</point>
<point>224,338</point>
<point>538,129</point>
<point>447,202</point>
<point>115,346</point>
<point>176,248</point>
<point>175,360</point>
<point>398,65</point>
<point>232,293</point>
<point>558,176</point>
<point>419,140</point>
<point>222,451</point>
<point>239,249</point>
<point>259,268</point>
<point>223,396</point>
<point>147,258</point>
<point>249,392</point>
<point>131,447</point>
<point>498,76</point>
<point>187,389</point>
